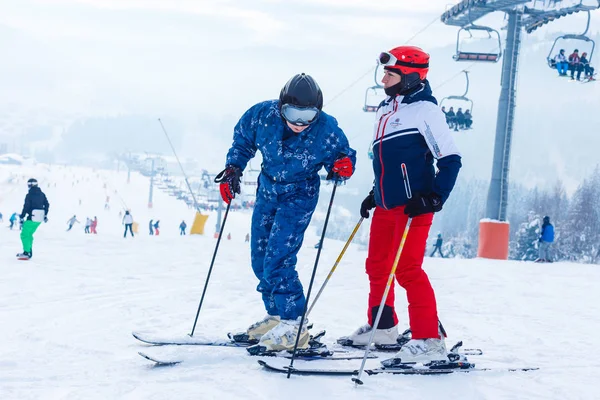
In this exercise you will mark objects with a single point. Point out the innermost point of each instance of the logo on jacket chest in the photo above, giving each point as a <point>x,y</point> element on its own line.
<point>395,124</point>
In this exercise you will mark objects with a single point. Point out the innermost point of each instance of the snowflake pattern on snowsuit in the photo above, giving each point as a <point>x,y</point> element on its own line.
<point>286,197</point>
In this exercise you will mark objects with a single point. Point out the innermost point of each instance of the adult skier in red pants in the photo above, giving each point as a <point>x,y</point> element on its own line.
<point>410,132</point>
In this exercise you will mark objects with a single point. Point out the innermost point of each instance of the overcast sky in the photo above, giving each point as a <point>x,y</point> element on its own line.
<point>162,56</point>
<point>206,61</point>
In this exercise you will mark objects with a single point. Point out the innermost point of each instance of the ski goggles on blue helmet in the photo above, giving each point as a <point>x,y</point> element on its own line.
<point>299,116</point>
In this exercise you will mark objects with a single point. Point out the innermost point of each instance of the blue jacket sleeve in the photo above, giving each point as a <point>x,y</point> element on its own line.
<point>244,139</point>
<point>343,147</point>
<point>446,177</point>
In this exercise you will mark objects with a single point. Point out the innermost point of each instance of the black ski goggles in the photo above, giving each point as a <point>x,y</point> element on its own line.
<point>299,116</point>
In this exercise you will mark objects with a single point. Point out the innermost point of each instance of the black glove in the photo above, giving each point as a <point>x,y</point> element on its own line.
<point>423,204</point>
<point>230,180</point>
<point>45,219</point>
<point>367,204</point>
<point>21,220</point>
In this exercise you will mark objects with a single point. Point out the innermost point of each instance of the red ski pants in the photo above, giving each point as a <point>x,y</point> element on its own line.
<point>387,228</point>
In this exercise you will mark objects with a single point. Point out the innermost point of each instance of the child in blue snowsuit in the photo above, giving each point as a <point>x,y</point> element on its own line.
<point>296,139</point>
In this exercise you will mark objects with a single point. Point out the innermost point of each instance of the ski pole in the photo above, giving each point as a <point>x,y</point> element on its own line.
<point>390,282</point>
<point>339,259</point>
<point>212,263</point>
<point>312,279</point>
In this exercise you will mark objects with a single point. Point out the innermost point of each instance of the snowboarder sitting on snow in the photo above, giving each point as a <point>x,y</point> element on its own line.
<point>438,246</point>
<point>410,188</point>
<point>546,239</point>
<point>182,227</point>
<point>296,139</point>
<point>36,210</point>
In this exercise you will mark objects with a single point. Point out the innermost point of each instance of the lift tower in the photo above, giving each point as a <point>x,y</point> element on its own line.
<point>522,15</point>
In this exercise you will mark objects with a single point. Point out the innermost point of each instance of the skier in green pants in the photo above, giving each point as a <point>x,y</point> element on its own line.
<point>36,210</point>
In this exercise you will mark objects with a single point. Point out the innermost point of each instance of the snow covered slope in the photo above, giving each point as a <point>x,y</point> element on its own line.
<point>67,315</point>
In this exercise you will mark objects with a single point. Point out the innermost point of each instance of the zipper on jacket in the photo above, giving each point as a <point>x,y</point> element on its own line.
<point>407,188</point>
<point>387,116</point>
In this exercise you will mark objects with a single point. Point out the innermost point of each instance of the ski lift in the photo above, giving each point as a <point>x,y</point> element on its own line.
<point>462,55</point>
<point>569,36</point>
<point>462,97</point>
<point>372,92</point>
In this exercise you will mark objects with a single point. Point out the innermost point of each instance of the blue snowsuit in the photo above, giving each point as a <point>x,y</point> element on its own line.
<point>286,196</point>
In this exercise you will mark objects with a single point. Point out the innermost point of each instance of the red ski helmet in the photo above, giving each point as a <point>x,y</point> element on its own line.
<point>406,60</point>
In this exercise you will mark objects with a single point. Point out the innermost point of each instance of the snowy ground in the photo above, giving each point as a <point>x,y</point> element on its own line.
<point>66,316</point>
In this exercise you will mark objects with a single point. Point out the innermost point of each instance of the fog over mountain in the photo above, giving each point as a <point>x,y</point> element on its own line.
<point>115,67</point>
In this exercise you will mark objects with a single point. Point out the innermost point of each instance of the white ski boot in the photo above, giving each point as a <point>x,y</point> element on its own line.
<point>283,336</point>
<point>360,337</point>
<point>424,351</point>
<point>258,329</point>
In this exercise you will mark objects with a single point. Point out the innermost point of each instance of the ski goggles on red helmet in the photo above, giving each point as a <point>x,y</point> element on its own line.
<point>299,116</point>
<point>390,60</point>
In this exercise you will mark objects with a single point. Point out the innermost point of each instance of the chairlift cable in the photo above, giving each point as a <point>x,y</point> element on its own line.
<point>372,68</point>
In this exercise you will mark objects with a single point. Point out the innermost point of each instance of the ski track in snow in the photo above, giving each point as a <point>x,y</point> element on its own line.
<point>67,315</point>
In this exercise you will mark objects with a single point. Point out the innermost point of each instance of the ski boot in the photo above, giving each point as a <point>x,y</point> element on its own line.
<point>26,255</point>
<point>282,337</point>
<point>256,330</point>
<point>384,339</point>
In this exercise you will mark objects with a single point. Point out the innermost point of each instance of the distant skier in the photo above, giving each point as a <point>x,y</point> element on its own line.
<point>88,222</point>
<point>93,225</point>
<point>35,210</point>
<point>128,222</point>
<point>1,217</point>
<point>296,139</point>
<point>151,227</point>
<point>156,226</point>
<point>72,221</point>
<point>247,238</point>
<point>182,227</point>
<point>12,220</point>
<point>438,246</point>
<point>545,240</point>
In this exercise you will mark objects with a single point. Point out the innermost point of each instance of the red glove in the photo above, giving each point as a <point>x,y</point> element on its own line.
<point>229,180</point>
<point>343,167</point>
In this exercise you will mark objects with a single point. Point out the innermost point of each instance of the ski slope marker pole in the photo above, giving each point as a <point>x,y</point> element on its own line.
<point>312,279</point>
<point>212,263</point>
<point>390,282</point>
<point>339,259</point>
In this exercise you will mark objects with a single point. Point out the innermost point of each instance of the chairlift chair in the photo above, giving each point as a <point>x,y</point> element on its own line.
<point>372,92</point>
<point>462,97</point>
<point>569,36</point>
<point>477,56</point>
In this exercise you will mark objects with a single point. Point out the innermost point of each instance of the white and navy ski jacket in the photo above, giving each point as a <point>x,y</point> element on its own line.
<point>410,131</point>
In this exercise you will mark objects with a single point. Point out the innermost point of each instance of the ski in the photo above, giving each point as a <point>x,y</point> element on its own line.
<point>165,361</point>
<point>201,341</point>
<point>186,341</point>
<point>394,371</point>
